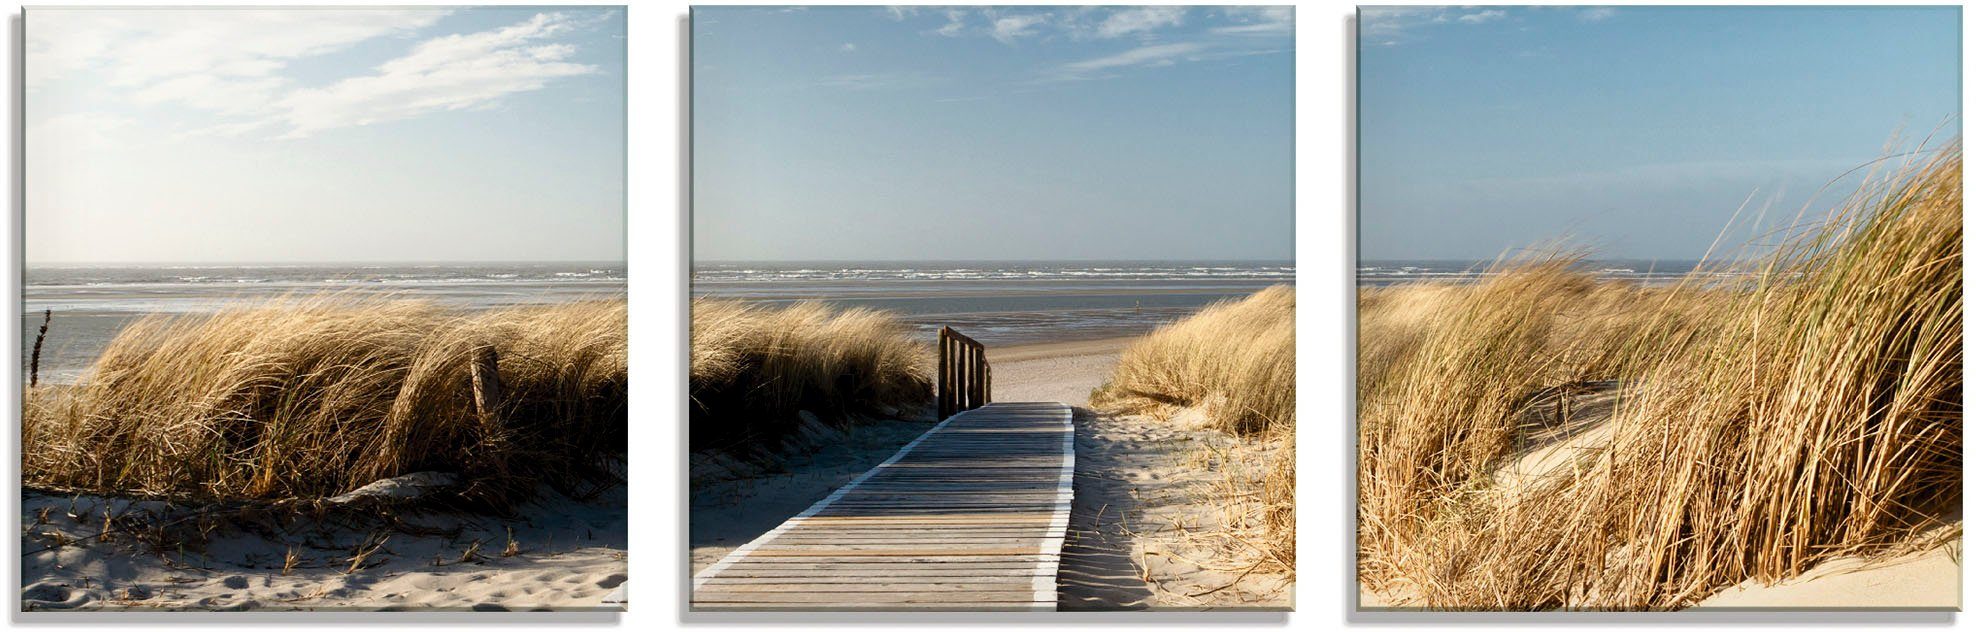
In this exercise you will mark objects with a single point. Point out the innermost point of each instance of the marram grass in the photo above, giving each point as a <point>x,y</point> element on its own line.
<point>314,396</point>
<point>1236,362</point>
<point>1811,409</point>
<point>755,368</point>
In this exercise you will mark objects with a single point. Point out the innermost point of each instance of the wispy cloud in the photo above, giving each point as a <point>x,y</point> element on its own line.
<point>232,63</point>
<point>874,81</point>
<point>1388,26</point>
<point>848,47</point>
<point>1387,22</point>
<point>1008,29</point>
<point>956,23</point>
<point>447,73</point>
<point>1139,20</point>
<point>1162,34</point>
<point>1154,55</point>
<point>140,48</point>
<point>1258,21</point>
<point>1597,14</point>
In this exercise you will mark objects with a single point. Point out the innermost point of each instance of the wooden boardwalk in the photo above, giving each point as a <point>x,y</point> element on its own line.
<point>969,516</point>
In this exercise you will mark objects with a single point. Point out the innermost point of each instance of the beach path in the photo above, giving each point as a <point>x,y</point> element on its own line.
<point>969,516</point>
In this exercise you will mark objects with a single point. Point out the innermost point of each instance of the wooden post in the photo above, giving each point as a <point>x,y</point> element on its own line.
<point>487,386</point>
<point>973,376</point>
<point>967,377</point>
<point>980,377</point>
<point>964,377</point>
<point>940,391</point>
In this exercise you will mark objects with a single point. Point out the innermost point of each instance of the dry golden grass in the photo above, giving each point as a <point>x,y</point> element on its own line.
<point>313,396</point>
<point>1236,362</point>
<point>1810,410</point>
<point>1235,359</point>
<point>754,367</point>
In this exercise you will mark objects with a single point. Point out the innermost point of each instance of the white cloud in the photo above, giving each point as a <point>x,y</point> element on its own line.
<point>1259,21</point>
<point>1388,22</point>
<point>1129,21</point>
<point>848,47</point>
<point>1597,14</point>
<point>447,73</point>
<point>139,47</point>
<point>900,13</point>
<point>1009,29</point>
<point>232,63</point>
<point>1482,16</point>
<point>1227,32</point>
<point>226,61</point>
<point>876,81</point>
<point>955,23</point>
<point>1154,55</point>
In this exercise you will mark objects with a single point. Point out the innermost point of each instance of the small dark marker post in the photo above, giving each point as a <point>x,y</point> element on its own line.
<point>34,363</point>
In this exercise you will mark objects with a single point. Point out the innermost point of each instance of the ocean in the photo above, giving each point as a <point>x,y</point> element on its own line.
<point>1374,273</point>
<point>1003,302</point>
<point>91,304</point>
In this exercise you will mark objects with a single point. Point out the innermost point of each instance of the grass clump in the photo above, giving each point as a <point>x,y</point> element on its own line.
<point>1235,362</point>
<point>308,397</point>
<point>1809,408</point>
<point>754,367</point>
<point>1236,359</point>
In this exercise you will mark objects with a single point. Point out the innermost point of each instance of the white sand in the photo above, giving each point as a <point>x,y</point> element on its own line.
<point>569,554</point>
<point>1927,580</point>
<point>1145,532</point>
<point>1055,372</point>
<point>1138,537</point>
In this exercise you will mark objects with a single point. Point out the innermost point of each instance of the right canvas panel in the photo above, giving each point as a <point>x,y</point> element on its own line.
<point>1659,308</point>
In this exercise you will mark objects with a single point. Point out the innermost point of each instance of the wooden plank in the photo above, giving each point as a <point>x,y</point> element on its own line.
<point>889,585</point>
<point>975,606</point>
<point>853,596</point>
<point>970,515</point>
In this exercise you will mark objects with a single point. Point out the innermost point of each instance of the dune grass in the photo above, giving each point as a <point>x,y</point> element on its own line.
<point>307,397</point>
<point>1235,361</point>
<point>1809,409</point>
<point>755,367</point>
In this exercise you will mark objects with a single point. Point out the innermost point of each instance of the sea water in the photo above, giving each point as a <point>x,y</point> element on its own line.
<point>90,304</point>
<point>1002,302</point>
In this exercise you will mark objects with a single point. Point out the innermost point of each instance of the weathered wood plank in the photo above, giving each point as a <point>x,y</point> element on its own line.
<point>969,516</point>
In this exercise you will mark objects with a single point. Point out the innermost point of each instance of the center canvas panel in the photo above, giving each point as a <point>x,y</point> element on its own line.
<point>993,308</point>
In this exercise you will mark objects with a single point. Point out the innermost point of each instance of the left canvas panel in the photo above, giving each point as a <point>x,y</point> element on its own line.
<point>324,309</point>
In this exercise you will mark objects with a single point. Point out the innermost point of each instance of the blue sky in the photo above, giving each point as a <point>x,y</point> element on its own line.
<point>867,133</point>
<point>325,135</point>
<point>1637,131</point>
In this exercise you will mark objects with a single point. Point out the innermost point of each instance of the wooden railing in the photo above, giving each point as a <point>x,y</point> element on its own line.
<point>966,381</point>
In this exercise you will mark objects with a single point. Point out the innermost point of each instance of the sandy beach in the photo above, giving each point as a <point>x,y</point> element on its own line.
<point>555,553</point>
<point>1139,538</point>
